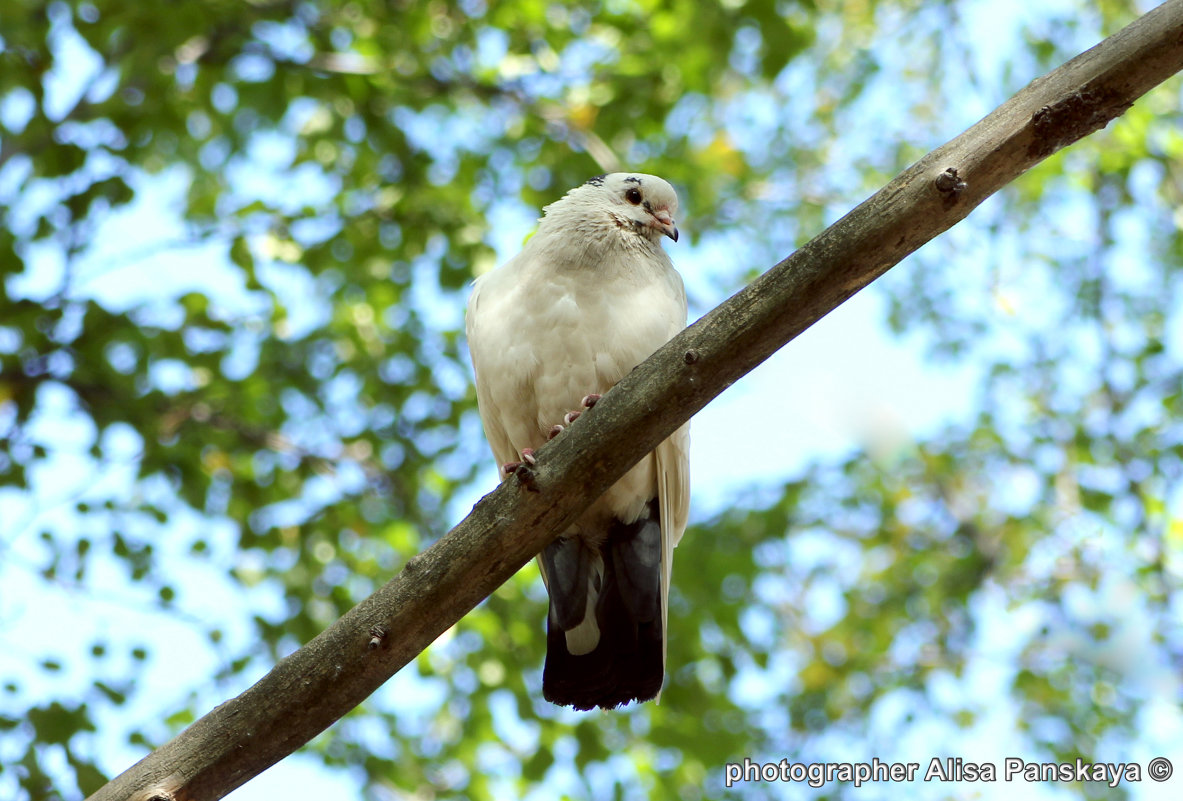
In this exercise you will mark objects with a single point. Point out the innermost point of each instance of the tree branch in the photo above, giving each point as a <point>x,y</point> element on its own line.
<point>309,690</point>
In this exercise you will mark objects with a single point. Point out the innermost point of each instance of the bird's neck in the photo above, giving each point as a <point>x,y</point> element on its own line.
<point>589,235</point>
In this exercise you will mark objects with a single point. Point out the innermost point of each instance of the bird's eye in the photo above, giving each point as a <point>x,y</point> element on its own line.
<point>633,196</point>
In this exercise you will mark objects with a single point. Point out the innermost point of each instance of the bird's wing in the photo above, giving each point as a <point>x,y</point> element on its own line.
<point>672,468</point>
<point>673,496</point>
<point>483,347</point>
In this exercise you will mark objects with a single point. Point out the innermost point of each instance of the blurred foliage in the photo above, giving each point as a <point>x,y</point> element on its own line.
<point>276,423</point>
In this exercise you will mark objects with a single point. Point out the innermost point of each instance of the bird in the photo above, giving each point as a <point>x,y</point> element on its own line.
<point>590,296</point>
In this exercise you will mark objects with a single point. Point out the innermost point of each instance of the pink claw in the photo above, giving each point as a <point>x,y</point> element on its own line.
<point>590,400</point>
<point>571,417</point>
<point>509,468</point>
<point>554,432</point>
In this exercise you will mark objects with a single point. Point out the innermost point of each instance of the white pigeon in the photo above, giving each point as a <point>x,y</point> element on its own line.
<point>591,296</point>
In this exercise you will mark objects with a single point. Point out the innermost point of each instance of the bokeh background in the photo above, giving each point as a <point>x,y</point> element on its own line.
<point>235,244</point>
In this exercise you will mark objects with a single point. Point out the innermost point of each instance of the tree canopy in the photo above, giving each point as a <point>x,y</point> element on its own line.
<point>234,397</point>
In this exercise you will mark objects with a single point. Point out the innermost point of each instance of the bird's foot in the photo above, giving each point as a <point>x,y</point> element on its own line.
<point>570,417</point>
<point>528,459</point>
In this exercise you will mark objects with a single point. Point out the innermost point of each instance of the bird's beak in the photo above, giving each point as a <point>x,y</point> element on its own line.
<point>666,223</point>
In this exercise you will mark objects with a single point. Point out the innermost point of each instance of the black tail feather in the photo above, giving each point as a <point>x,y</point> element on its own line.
<point>627,663</point>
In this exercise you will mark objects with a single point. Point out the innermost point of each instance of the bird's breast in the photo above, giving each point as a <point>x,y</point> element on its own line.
<point>591,336</point>
<point>547,338</point>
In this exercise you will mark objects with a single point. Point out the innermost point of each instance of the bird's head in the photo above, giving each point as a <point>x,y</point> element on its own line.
<point>636,203</point>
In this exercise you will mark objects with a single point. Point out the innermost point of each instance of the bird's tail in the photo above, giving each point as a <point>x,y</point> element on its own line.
<point>605,628</point>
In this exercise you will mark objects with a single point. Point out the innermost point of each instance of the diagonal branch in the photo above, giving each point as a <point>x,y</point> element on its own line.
<point>309,690</point>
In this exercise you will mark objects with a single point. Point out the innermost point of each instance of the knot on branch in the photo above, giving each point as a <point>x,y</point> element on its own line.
<point>950,182</point>
<point>1074,117</point>
<point>526,478</point>
<point>377,635</point>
